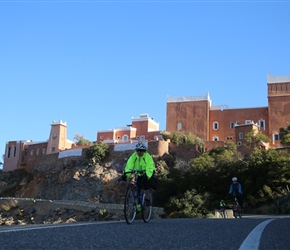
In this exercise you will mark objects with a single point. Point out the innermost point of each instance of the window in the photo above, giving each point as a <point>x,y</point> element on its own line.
<point>215,138</point>
<point>52,149</point>
<point>262,124</point>
<point>9,151</point>
<point>158,137</point>
<point>142,137</point>
<point>31,152</point>
<point>215,125</point>
<point>248,121</point>
<point>229,138</point>
<point>14,151</point>
<point>179,126</point>
<point>26,151</point>
<point>276,137</point>
<point>239,143</point>
<point>37,151</point>
<point>125,138</point>
<point>241,135</point>
<point>118,137</point>
<point>232,124</point>
<point>43,151</point>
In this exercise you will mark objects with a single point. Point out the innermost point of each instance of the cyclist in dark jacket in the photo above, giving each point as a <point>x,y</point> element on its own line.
<point>236,190</point>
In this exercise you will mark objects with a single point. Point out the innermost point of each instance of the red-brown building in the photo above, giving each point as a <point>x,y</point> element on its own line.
<point>142,128</point>
<point>19,153</point>
<point>195,114</point>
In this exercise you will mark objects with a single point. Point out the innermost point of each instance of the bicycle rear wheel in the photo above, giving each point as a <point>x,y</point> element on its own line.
<point>235,213</point>
<point>239,211</point>
<point>130,206</point>
<point>147,209</point>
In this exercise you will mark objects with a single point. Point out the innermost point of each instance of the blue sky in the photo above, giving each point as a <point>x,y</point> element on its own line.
<point>97,64</point>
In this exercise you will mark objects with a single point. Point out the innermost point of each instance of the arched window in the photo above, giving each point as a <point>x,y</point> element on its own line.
<point>241,135</point>
<point>262,124</point>
<point>215,125</point>
<point>179,126</point>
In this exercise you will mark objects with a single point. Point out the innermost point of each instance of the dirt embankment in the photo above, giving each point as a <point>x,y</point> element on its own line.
<point>19,211</point>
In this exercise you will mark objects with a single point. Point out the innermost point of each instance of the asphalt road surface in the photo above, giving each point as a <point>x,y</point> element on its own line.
<point>248,233</point>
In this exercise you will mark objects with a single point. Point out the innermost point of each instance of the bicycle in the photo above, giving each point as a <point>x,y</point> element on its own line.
<point>237,209</point>
<point>222,212</point>
<point>135,199</point>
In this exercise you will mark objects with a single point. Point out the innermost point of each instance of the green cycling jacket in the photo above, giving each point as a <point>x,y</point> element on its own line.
<point>144,163</point>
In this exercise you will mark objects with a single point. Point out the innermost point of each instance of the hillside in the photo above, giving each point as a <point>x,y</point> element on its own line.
<point>70,179</point>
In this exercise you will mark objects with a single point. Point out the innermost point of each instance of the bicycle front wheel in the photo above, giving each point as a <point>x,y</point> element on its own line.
<point>130,206</point>
<point>147,209</point>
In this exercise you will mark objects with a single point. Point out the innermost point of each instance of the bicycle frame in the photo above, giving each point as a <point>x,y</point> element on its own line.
<point>133,184</point>
<point>237,208</point>
<point>222,212</point>
<point>136,198</point>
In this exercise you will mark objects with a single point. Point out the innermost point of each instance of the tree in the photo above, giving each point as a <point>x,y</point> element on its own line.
<point>180,138</point>
<point>165,135</point>
<point>97,153</point>
<point>254,139</point>
<point>80,140</point>
<point>284,134</point>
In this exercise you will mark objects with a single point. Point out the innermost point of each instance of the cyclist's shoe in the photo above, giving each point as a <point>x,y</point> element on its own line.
<point>139,208</point>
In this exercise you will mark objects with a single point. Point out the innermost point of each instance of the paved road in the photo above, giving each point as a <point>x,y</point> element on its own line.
<point>249,233</point>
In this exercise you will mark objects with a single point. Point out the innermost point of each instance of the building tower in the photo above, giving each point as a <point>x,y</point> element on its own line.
<point>57,139</point>
<point>189,114</point>
<point>278,105</point>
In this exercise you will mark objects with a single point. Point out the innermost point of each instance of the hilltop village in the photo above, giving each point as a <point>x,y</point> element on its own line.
<point>215,125</point>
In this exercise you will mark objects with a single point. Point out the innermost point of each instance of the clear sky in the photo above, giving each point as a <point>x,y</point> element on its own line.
<point>97,64</point>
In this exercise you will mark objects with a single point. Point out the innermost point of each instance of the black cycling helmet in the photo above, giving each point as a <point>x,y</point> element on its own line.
<point>140,147</point>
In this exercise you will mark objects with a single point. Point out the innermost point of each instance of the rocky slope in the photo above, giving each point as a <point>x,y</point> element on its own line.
<point>75,181</point>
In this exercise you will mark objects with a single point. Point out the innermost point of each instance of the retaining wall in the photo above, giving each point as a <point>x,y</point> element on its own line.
<point>43,207</point>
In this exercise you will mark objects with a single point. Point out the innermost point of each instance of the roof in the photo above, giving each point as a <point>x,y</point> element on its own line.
<point>278,79</point>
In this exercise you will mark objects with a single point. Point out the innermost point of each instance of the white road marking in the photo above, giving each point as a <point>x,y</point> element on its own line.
<point>253,240</point>
<point>37,227</point>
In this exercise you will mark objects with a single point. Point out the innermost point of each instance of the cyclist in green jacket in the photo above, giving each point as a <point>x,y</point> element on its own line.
<point>141,160</point>
<point>223,208</point>
<point>222,204</point>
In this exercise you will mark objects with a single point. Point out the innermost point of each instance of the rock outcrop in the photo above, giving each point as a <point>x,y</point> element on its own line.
<point>53,192</point>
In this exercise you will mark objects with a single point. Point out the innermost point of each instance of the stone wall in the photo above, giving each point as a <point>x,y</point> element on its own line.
<point>51,162</point>
<point>228,213</point>
<point>184,152</point>
<point>158,148</point>
<point>209,145</point>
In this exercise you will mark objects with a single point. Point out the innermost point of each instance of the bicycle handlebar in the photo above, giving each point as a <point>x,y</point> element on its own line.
<point>134,171</point>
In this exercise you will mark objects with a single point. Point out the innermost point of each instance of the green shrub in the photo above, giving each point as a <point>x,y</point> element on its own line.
<point>102,214</point>
<point>97,153</point>
<point>166,135</point>
<point>282,205</point>
<point>180,138</point>
<point>189,205</point>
